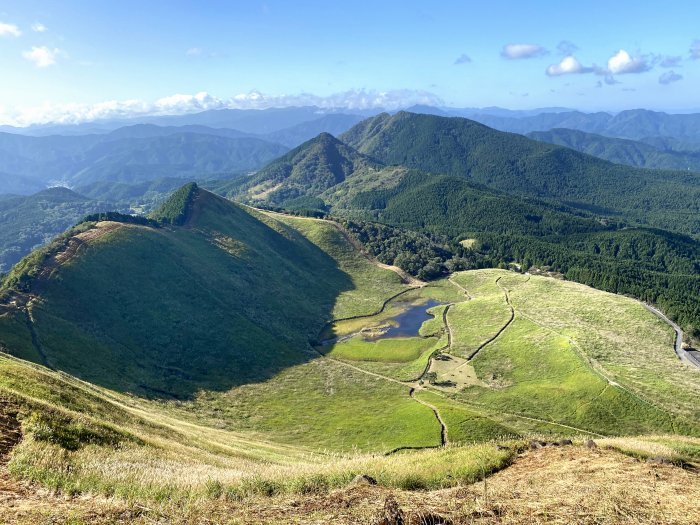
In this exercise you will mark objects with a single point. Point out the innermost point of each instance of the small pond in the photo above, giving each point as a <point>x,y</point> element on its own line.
<point>408,322</point>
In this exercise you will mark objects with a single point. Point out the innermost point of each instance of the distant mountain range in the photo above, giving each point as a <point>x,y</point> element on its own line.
<point>146,152</point>
<point>636,124</point>
<point>251,121</point>
<point>33,163</point>
<point>621,151</point>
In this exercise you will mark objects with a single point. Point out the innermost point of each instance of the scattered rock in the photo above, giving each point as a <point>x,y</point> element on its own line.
<point>536,443</point>
<point>565,442</point>
<point>428,518</point>
<point>392,514</point>
<point>363,479</point>
<point>591,444</point>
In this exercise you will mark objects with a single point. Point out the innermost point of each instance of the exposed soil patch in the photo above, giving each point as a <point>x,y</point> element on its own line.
<point>10,430</point>
<point>72,248</point>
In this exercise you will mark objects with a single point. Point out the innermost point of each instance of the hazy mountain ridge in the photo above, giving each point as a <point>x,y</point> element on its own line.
<point>620,151</point>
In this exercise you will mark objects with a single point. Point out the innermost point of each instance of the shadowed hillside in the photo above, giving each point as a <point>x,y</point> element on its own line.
<point>228,298</point>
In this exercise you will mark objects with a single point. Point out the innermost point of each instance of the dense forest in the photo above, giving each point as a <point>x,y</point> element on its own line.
<point>424,255</point>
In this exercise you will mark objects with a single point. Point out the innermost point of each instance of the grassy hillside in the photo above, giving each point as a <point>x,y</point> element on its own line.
<point>518,165</point>
<point>170,311</point>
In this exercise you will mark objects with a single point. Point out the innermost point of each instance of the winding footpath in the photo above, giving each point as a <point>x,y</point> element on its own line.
<point>689,358</point>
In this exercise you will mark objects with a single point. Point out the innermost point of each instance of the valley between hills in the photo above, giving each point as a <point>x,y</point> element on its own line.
<point>227,363</point>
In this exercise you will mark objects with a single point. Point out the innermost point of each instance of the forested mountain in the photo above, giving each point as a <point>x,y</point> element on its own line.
<point>620,151</point>
<point>307,171</point>
<point>518,165</point>
<point>29,222</point>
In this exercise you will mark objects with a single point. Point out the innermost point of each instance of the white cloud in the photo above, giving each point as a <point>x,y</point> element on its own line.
<point>182,104</point>
<point>462,59</point>
<point>38,27</point>
<point>518,51</point>
<point>9,30</point>
<point>194,52</point>
<point>42,56</point>
<point>568,66</point>
<point>622,62</point>
<point>669,77</point>
<point>695,50</point>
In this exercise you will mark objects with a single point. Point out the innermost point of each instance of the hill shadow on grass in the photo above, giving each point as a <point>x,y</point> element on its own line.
<point>164,313</point>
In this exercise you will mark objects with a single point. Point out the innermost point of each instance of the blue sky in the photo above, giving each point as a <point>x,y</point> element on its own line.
<point>77,59</point>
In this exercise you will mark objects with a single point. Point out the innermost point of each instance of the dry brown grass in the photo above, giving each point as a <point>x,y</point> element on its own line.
<point>568,485</point>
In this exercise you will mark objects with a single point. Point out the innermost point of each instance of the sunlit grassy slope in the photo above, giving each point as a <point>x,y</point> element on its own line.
<point>576,356</point>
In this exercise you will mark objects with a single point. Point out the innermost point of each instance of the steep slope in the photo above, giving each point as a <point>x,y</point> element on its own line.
<point>620,151</point>
<point>29,222</point>
<point>307,171</point>
<point>519,165</point>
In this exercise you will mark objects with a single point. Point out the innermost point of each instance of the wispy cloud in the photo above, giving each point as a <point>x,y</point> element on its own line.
<point>671,61</point>
<point>9,30</point>
<point>520,51</point>
<point>670,77</point>
<point>622,63</point>
<point>568,65</point>
<point>567,48</point>
<point>695,50</point>
<point>194,52</point>
<point>462,59</point>
<point>42,56</point>
<point>38,27</point>
<point>183,103</point>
